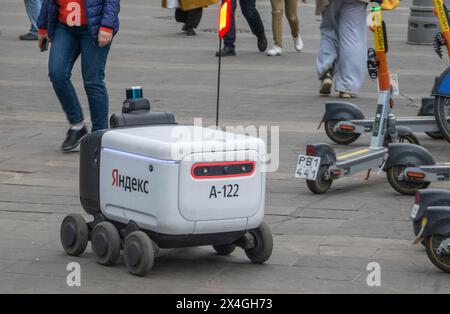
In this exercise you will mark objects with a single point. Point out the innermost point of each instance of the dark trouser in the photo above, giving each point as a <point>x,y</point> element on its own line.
<point>248,8</point>
<point>67,45</point>
<point>190,18</point>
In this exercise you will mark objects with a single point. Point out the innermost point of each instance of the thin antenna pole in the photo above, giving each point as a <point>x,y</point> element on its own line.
<point>218,83</point>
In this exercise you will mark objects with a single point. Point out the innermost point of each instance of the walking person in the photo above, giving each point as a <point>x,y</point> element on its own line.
<point>188,12</point>
<point>343,46</point>
<point>33,8</point>
<point>251,14</point>
<point>190,18</point>
<point>79,28</point>
<point>290,7</point>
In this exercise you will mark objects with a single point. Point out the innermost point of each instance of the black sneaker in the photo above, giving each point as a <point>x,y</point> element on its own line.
<point>190,32</point>
<point>73,138</point>
<point>262,43</point>
<point>226,51</point>
<point>28,36</point>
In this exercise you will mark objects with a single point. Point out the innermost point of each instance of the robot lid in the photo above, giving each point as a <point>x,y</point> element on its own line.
<point>175,142</point>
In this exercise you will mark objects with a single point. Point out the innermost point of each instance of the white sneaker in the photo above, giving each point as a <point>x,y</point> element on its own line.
<point>274,51</point>
<point>298,44</point>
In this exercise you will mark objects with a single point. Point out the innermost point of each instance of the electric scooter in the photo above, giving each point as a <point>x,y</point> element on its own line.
<point>435,235</point>
<point>344,122</point>
<point>425,199</point>
<point>407,173</point>
<point>321,165</point>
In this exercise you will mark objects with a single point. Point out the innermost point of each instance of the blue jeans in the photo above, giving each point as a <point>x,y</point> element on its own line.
<point>33,8</point>
<point>248,8</point>
<point>67,45</point>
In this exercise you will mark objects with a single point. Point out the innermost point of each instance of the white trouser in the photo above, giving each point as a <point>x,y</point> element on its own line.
<point>343,44</point>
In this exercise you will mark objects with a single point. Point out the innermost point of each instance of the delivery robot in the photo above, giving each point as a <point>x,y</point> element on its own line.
<point>150,183</point>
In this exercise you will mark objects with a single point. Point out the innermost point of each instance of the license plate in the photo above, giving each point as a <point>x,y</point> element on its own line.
<point>415,211</point>
<point>307,167</point>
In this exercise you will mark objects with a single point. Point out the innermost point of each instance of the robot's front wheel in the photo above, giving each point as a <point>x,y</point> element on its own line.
<point>224,249</point>
<point>105,242</point>
<point>442,261</point>
<point>139,253</point>
<point>404,187</point>
<point>74,234</point>
<point>263,247</point>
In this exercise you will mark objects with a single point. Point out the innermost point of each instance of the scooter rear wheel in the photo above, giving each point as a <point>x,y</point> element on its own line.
<point>431,244</point>
<point>74,234</point>
<point>404,187</point>
<point>320,185</point>
<point>341,138</point>
<point>442,113</point>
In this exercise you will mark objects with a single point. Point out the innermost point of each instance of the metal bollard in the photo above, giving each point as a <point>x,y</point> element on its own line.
<point>422,23</point>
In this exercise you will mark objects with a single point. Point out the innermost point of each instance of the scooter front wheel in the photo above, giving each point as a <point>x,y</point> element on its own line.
<point>442,113</point>
<point>441,261</point>
<point>435,135</point>
<point>320,185</point>
<point>341,138</point>
<point>405,187</point>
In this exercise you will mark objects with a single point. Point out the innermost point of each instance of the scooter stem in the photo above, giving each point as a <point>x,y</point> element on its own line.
<point>379,33</point>
<point>441,12</point>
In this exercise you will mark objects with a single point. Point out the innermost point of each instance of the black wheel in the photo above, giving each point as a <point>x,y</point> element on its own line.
<point>342,138</point>
<point>440,261</point>
<point>224,249</point>
<point>262,250</point>
<point>410,138</point>
<point>435,135</point>
<point>139,253</point>
<point>74,234</point>
<point>442,113</point>
<point>105,242</point>
<point>320,185</point>
<point>405,187</point>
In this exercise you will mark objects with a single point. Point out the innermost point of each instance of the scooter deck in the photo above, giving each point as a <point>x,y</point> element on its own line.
<point>361,157</point>
<point>445,167</point>
<point>416,124</point>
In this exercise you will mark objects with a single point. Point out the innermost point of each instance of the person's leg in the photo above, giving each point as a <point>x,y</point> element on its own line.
<point>328,51</point>
<point>180,15</point>
<point>292,17</point>
<point>277,22</point>
<point>230,37</point>
<point>192,20</point>
<point>196,17</point>
<point>351,65</point>
<point>64,51</point>
<point>252,16</point>
<point>93,62</point>
<point>33,8</point>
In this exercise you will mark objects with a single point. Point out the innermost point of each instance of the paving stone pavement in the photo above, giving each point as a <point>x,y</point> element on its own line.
<point>322,243</point>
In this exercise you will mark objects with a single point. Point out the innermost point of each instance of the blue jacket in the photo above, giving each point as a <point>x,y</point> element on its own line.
<point>99,13</point>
